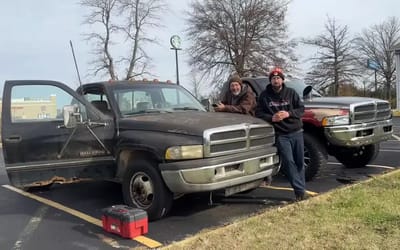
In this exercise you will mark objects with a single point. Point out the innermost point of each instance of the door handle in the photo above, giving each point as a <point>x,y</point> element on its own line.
<point>14,139</point>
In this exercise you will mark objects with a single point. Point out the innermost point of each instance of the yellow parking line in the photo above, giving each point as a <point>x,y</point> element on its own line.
<point>291,189</point>
<point>148,242</point>
<point>141,239</point>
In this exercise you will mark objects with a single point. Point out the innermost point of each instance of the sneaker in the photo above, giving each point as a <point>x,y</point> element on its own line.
<point>301,197</point>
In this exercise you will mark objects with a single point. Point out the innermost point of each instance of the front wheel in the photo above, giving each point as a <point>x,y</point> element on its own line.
<point>357,157</point>
<point>144,188</point>
<point>314,156</point>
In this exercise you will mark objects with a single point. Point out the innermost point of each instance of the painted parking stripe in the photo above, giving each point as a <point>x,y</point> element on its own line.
<point>396,137</point>
<point>141,239</point>
<point>290,189</point>
<point>30,228</point>
<point>380,166</point>
<point>333,163</point>
<point>389,150</point>
<point>369,165</point>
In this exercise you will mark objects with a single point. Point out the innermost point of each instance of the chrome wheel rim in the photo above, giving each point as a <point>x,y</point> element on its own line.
<point>142,190</point>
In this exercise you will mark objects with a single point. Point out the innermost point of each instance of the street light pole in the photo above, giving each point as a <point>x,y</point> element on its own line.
<point>397,56</point>
<point>373,64</point>
<point>396,50</point>
<point>176,66</point>
<point>364,82</point>
<point>176,45</point>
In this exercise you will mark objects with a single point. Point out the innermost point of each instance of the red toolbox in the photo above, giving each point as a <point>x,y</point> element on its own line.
<point>126,221</point>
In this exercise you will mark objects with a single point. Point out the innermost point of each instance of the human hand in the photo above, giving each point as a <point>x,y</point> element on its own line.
<point>280,115</point>
<point>220,107</point>
<point>283,114</point>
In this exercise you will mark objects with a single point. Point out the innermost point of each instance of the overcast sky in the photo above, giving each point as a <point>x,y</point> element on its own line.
<point>35,35</point>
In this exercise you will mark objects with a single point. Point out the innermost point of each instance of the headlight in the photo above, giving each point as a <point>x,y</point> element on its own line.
<point>184,152</point>
<point>336,120</point>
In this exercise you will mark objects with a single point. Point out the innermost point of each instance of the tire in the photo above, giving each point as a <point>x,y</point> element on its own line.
<point>357,157</point>
<point>143,188</point>
<point>314,156</point>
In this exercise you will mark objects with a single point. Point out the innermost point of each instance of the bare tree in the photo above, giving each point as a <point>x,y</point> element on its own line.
<point>334,62</point>
<point>196,82</point>
<point>201,89</point>
<point>101,13</point>
<point>376,43</point>
<point>122,22</point>
<point>246,37</point>
<point>140,14</point>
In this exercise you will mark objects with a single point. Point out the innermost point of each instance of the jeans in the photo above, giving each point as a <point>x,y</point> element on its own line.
<point>291,151</point>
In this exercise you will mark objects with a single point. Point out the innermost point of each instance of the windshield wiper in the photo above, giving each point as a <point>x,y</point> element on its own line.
<point>148,111</point>
<point>186,108</point>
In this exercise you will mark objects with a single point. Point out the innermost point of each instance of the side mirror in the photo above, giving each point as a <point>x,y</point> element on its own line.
<point>206,103</point>
<point>71,116</point>
<point>307,90</point>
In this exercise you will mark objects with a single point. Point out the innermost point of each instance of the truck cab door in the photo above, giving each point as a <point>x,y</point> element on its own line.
<point>39,149</point>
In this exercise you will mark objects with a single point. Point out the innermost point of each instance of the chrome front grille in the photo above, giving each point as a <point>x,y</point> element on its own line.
<point>370,111</point>
<point>237,138</point>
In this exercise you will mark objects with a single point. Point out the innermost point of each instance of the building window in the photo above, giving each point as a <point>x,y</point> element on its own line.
<point>39,103</point>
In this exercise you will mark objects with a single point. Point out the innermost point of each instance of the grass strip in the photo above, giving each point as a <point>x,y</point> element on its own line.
<point>361,216</point>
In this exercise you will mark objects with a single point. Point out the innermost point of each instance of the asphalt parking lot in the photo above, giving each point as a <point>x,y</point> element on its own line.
<point>68,216</point>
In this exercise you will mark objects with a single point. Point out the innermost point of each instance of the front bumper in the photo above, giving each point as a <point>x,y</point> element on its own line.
<point>359,134</point>
<point>221,172</point>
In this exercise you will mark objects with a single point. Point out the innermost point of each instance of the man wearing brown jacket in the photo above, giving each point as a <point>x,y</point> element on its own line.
<point>239,99</point>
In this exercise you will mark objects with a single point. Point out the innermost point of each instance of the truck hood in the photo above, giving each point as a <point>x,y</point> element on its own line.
<point>190,123</point>
<point>337,102</point>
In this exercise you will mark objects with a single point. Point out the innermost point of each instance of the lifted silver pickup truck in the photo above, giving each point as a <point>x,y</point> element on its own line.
<point>348,128</point>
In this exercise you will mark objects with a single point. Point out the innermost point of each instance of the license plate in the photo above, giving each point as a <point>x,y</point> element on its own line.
<point>242,187</point>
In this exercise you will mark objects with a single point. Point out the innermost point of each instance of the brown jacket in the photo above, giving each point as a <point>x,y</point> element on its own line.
<point>244,103</point>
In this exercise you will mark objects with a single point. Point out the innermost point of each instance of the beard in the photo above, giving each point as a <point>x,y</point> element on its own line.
<point>277,88</point>
<point>236,93</point>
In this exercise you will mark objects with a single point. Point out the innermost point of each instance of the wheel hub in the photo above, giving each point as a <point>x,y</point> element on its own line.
<point>142,190</point>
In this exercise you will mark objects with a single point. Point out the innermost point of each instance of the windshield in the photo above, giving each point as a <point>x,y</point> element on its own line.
<point>299,86</point>
<point>135,99</point>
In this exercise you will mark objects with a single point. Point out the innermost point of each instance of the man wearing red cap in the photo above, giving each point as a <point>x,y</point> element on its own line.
<point>238,99</point>
<point>283,107</point>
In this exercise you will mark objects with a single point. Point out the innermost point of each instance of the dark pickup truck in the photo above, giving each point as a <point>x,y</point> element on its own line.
<point>155,139</point>
<point>348,128</point>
